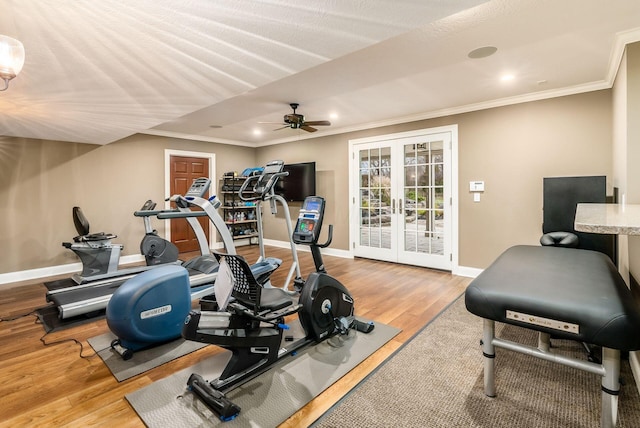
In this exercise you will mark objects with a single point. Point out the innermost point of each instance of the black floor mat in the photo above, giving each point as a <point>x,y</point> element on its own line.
<point>48,316</point>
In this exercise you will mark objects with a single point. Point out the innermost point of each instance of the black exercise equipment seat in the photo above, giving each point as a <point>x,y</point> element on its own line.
<point>565,292</point>
<point>247,290</point>
<point>83,228</point>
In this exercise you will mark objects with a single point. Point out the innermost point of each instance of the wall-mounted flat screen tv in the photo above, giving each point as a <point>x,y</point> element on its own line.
<point>300,183</point>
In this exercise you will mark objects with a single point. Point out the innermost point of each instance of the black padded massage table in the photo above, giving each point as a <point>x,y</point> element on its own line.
<point>561,292</point>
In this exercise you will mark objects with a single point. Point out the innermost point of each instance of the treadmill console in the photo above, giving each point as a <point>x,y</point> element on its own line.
<point>309,222</point>
<point>198,188</point>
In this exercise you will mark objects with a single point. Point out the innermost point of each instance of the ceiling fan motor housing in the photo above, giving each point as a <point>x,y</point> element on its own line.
<point>294,119</point>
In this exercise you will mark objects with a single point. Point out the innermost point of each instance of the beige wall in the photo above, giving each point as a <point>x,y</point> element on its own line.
<point>40,181</point>
<point>619,108</point>
<point>510,148</point>
<point>331,157</point>
<point>631,112</point>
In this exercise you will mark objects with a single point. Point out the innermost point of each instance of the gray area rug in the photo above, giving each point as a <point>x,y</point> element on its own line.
<point>436,380</point>
<point>267,400</point>
<point>141,361</point>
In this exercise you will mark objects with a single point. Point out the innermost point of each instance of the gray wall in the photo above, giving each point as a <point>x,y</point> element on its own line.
<point>510,148</point>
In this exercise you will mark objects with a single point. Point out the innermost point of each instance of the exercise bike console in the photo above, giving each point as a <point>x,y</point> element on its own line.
<point>309,221</point>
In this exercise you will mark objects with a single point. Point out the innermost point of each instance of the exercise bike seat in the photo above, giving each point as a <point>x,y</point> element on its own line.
<point>83,228</point>
<point>249,293</point>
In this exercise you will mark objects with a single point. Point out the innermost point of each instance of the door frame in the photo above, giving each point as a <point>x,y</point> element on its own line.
<point>354,213</point>
<point>167,186</point>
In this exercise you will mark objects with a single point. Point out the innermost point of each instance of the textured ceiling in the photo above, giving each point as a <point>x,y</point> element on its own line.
<point>96,72</point>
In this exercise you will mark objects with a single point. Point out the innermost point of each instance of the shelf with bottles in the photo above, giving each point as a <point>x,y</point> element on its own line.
<point>247,233</point>
<point>240,216</point>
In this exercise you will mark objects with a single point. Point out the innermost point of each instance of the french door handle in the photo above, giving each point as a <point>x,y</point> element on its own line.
<point>399,206</point>
<point>393,206</point>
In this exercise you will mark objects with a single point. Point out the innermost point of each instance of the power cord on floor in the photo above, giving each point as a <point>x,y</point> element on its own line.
<point>58,342</point>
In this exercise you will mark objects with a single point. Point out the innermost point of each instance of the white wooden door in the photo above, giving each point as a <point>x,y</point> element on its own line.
<point>402,194</point>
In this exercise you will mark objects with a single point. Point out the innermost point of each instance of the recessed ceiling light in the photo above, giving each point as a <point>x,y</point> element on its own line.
<point>333,115</point>
<point>507,77</point>
<point>482,52</point>
<point>257,132</point>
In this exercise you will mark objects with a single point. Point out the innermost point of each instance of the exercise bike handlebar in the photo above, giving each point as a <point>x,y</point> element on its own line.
<point>329,238</point>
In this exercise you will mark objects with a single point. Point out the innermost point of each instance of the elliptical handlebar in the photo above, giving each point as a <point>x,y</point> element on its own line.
<point>264,183</point>
<point>243,189</point>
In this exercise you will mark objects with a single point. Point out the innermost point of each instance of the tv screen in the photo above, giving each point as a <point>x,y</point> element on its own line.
<point>300,183</point>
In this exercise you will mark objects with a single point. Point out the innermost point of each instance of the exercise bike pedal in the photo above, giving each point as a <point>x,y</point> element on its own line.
<point>364,327</point>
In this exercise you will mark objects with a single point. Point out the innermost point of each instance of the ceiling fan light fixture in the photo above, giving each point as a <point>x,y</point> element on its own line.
<point>11,59</point>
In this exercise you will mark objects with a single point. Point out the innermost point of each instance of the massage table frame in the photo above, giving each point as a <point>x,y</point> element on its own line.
<point>524,287</point>
<point>609,369</point>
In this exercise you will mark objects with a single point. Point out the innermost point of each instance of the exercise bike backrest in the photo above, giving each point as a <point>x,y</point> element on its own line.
<point>80,222</point>
<point>83,228</point>
<point>262,185</point>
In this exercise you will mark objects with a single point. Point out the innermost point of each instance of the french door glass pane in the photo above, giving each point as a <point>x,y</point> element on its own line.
<point>375,197</point>
<point>423,197</point>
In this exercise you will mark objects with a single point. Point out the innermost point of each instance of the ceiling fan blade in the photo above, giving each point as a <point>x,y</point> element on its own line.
<point>283,127</point>
<point>318,123</point>
<point>308,128</point>
<point>273,123</point>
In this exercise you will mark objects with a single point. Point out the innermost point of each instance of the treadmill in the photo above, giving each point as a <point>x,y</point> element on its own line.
<point>91,297</point>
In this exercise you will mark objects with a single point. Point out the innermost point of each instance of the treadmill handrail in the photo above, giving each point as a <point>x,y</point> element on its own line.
<point>151,213</point>
<point>181,214</point>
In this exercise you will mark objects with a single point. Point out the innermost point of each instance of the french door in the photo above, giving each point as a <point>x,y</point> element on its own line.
<point>403,199</point>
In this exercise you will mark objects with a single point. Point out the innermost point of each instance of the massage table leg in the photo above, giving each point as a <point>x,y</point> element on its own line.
<point>610,387</point>
<point>489,353</point>
<point>544,341</point>
<point>609,370</point>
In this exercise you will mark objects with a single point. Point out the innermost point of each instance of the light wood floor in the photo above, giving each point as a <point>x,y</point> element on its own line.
<point>53,386</point>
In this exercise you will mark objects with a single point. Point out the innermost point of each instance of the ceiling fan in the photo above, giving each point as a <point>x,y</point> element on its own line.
<point>296,121</point>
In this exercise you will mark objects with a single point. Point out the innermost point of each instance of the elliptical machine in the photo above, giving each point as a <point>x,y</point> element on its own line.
<point>250,320</point>
<point>260,188</point>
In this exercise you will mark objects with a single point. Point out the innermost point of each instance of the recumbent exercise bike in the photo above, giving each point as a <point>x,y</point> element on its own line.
<point>252,323</point>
